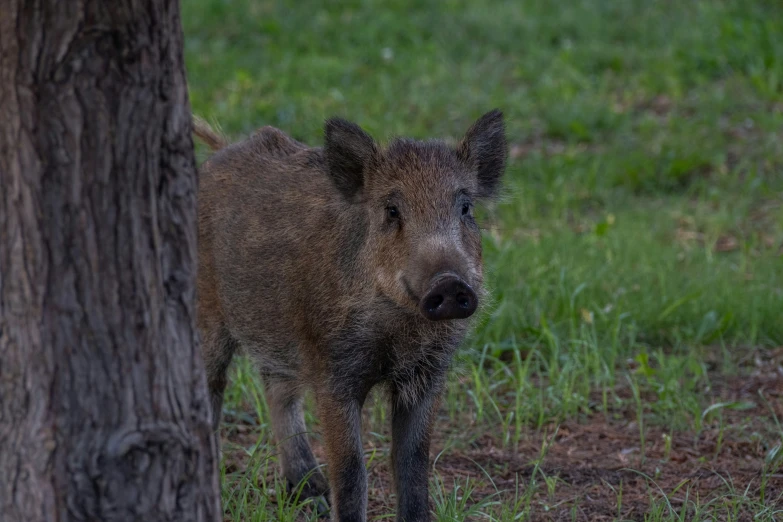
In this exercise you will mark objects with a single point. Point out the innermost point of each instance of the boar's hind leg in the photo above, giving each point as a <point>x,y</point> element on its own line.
<point>218,349</point>
<point>297,460</point>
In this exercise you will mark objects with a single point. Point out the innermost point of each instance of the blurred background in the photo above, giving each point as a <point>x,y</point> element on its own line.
<point>630,364</point>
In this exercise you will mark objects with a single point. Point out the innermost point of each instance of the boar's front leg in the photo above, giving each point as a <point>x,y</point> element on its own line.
<point>411,427</point>
<point>340,417</point>
<point>298,463</point>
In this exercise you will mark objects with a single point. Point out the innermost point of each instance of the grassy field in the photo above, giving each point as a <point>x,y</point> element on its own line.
<point>631,364</point>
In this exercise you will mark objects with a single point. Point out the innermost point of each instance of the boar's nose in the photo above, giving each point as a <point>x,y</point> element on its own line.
<point>449,297</point>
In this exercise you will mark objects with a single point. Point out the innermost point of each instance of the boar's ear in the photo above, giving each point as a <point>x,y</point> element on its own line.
<point>348,151</point>
<point>484,149</point>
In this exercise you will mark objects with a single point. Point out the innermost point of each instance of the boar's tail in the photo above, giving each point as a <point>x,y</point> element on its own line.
<point>212,138</point>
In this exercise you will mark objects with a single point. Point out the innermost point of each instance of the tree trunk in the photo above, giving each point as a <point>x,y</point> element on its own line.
<point>104,413</point>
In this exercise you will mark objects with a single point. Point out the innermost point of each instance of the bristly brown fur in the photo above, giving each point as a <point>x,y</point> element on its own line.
<point>316,262</point>
<point>204,131</point>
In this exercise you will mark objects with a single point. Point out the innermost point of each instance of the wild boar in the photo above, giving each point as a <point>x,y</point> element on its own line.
<point>338,269</point>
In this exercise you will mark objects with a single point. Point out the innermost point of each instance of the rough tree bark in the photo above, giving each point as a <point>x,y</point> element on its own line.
<point>104,413</point>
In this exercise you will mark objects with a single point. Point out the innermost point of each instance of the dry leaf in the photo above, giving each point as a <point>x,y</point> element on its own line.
<point>726,244</point>
<point>587,316</point>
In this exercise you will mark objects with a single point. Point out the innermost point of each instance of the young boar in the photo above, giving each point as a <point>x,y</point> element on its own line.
<point>338,269</point>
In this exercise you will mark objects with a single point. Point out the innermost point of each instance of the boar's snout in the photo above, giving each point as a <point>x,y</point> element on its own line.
<point>448,297</point>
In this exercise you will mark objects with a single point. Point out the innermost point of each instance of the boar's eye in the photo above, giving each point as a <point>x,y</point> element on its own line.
<point>392,212</point>
<point>465,208</point>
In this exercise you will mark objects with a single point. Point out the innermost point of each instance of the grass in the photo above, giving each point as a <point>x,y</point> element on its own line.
<point>635,258</point>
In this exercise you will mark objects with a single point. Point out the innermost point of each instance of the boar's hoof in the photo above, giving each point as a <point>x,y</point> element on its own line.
<point>316,491</point>
<point>449,297</point>
<point>321,508</point>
